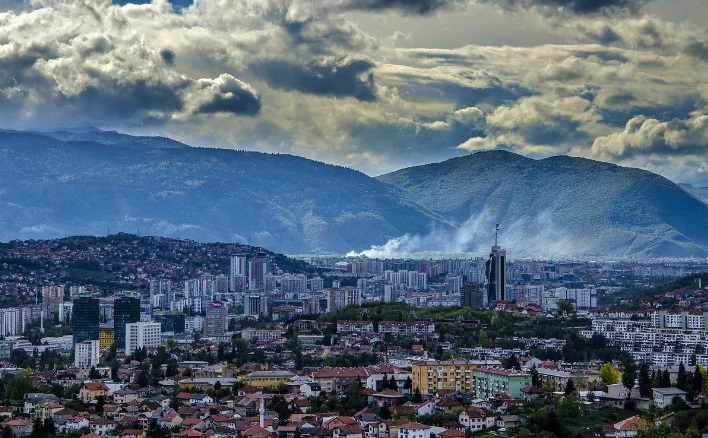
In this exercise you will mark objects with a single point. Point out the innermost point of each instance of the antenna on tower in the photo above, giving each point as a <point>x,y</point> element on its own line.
<point>496,235</point>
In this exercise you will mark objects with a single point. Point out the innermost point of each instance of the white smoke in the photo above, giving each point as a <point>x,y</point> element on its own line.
<point>532,236</point>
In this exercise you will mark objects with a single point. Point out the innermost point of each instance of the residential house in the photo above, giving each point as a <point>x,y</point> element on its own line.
<point>124,395</point>
<point>20,426</point>
<point>101,426</point>
<point>476,419</point>
<point>32,399</point>
<point>47,410</point>
<point>629,427</point>
<point>92,391</point>
<point>413,430</point>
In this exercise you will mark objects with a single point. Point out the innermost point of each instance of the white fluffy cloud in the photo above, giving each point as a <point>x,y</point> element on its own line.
<point>301,76</point>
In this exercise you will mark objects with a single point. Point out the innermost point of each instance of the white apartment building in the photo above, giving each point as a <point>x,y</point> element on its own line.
<point>407,328</point>
<point>249,335</point>
<point>142,334</point>
<point>11,322</point>
<point>86,354</point>
<point>345,326</point>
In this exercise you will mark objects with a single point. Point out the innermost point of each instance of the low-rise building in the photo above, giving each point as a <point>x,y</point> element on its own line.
<point>664,397</point>
<point>489,381</point>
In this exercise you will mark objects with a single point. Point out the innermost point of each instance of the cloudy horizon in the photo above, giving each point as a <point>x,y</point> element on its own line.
<point>374,85</point>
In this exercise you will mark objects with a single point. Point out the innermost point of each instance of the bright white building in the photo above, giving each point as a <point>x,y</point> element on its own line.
<point>86,354</point>
<point>142,334</point>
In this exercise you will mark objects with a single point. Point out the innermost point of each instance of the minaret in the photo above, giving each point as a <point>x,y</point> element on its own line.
<point>262,411</point>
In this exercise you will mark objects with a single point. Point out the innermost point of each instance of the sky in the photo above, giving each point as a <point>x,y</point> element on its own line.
<point>374,85</point>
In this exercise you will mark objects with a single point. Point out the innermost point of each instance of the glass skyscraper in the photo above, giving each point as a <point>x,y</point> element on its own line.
<point>85,319</point>
<point>126,310</point>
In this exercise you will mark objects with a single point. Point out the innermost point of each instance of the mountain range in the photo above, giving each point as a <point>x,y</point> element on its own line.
<point>95,182</point>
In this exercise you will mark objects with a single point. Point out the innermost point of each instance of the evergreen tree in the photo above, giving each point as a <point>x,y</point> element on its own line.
<point>49,427</point>
<point>408,385</point>
<point>644,381</point>
<point>384,382</point>
<point>7,432</point>
<point>629,375</point>
<point>392,383</point>
<point>38,429</point>
<point>697,382</point>
<point>142,379</point>
<point>417,396</point>
<point>100,402</point>
<point>535,379</point>
<point>569,387</point>
<point>681,379</point>
<point>665,379</point>
<point>385,412</point>
<point>355,400</point>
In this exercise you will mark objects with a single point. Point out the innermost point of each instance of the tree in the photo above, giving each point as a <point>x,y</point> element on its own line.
<point>385,412</point>
<point>697,381</point>
<point>609,374</point>
<point>384,382</point>
<point>512,362</point>
<point>355,400</point>
<point>535,380</point>
<point>94,374</point>
<point>7,432</point>
<point>570,405</point>
<point>408,385</point>
<point>665,379</point>
<point>565,307</point>
<point>681,379</point>
<point>142,380</point>
<point>569,387</point>
<point>629,375</point>
<point>18,386</point>
<point>392,383</point>
<point>644,381</point>
<point>417,396</point>
<point>38,429</point>
<point>49,427</point>
<point>100,402</point>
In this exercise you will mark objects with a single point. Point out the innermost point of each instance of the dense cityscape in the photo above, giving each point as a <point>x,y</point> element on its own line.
<point>140,336</point>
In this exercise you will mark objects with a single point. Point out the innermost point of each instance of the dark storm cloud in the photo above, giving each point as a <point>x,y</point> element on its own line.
<point>168,56</point>
<point>409,6</point>
<point>228,95</point>
<point>582,6</point>
<point>698,50</point>
<point>346,76</point>
<point>422,7</point>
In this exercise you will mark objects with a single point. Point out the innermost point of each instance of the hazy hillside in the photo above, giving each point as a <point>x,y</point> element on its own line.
<point>560,205</point>
<point>87,183</point>
<point>699,192</point>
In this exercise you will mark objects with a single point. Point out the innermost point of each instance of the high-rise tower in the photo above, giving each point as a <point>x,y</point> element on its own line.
<point>125,311</point>
<point>496,271</point>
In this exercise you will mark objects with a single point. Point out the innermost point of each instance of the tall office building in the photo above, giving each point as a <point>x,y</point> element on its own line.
<point>255,305</point>
<point>125,311</point>
<point>52,297</point>
<point>496,272</point>
<point>173,322</point>
<point>239,267</point>
<point>85,319</point>
<point>217,314</point>
<point>160,287</point>
<point>258,267</point>
<point>342,297</point>
<point>472,295</point>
